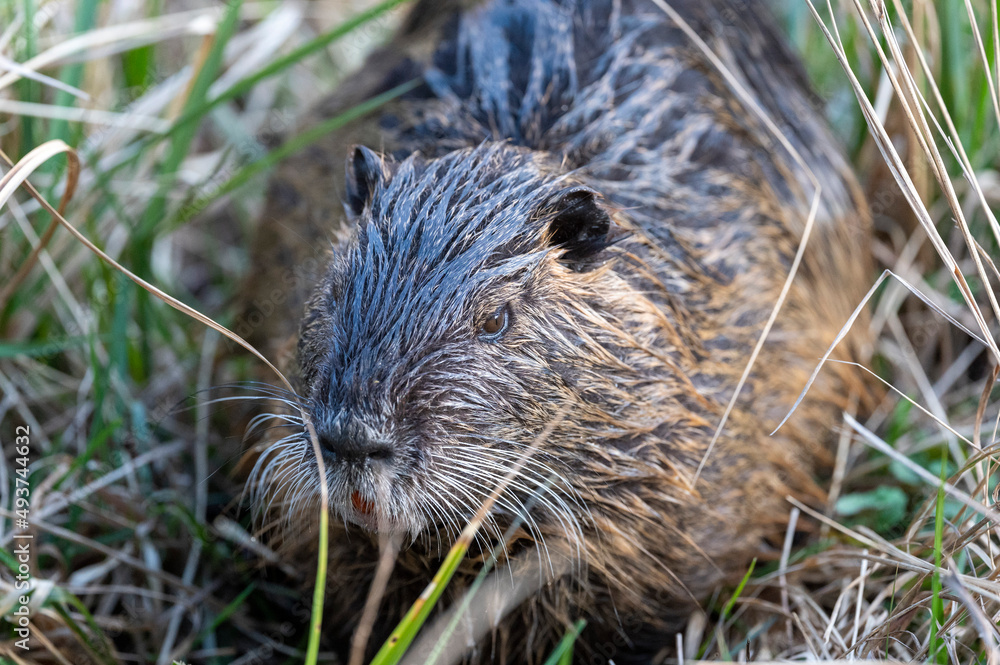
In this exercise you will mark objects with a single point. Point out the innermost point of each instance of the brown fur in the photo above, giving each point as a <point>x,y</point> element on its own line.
<point>640,352</point>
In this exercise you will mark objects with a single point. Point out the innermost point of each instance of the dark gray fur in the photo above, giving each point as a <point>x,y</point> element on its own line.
<point>583,169</point>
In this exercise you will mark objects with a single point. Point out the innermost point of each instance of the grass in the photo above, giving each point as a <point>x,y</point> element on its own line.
<point>129,368</point>
<point>142,554</point>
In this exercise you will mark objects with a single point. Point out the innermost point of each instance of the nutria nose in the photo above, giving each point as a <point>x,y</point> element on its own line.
<point>351,441</point>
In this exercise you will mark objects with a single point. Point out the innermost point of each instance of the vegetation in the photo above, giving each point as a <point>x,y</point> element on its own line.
<point>140,551</point>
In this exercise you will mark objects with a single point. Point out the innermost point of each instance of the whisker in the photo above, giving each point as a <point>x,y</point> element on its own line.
<point>544,494</point>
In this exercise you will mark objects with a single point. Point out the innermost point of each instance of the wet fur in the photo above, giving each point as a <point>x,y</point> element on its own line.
<point>638,340</point>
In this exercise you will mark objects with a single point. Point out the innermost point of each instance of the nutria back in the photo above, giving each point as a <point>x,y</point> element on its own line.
<point>567,237</point>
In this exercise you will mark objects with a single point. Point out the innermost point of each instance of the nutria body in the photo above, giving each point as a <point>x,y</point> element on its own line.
<point>576,225</point>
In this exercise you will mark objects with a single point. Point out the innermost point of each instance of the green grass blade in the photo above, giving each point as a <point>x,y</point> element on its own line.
<point>936,652</point>
<point>226,612</point>
<point>118,348</point>
<point>195,112</point>
<point>30,90</point>
<point>723,648</point>
<point>141,241</point>
<point>955,49</point>
<point>244,85</point>
<point>180,142</point>
<point>72,74</point>
<point>97,443</point>
<point>46,347</point>
<point>736,594</point>
<point>98,646</point>
<point>473,589</point>
<point>290,147</point>
<point>7,559</point>
<point>319,590</point>
<point>401,638</point>
<point>563,653</point>
<point>397,644</point>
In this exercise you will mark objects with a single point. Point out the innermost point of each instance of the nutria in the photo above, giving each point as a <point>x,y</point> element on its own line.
<point>575,224</point>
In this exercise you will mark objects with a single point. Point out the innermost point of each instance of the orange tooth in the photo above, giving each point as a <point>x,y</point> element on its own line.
<point>360,504</point>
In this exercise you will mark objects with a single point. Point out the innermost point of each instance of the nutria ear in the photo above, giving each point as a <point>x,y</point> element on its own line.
<point>582,226</point>
<point>365,171</point>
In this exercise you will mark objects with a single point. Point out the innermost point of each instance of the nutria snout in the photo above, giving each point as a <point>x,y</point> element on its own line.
<point>575,225</point>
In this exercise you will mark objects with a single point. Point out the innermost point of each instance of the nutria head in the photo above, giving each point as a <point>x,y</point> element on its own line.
<point>457,319</point>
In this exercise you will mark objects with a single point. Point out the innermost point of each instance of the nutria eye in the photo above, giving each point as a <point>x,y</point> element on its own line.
<point>496,323</point>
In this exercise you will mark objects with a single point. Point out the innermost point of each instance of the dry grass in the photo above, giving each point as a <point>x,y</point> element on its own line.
<point>140,551</point>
